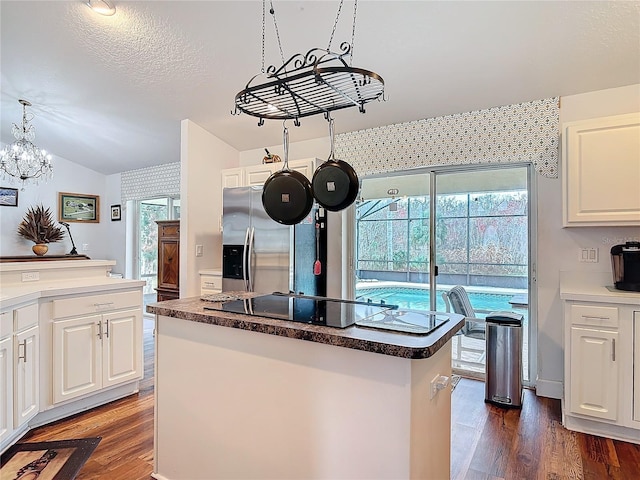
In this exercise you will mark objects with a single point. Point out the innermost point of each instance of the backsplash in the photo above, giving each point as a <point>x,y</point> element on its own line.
<point>525,132</point>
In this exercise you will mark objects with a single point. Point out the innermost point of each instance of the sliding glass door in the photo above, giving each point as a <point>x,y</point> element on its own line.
<point>420,233</point>
<point>481,244</point>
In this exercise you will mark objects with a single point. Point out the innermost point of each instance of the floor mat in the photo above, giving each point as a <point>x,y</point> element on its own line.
<point>60,460</point>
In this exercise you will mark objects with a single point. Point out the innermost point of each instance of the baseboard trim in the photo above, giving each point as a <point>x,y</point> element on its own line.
<point>59,412</point>
<point>549,388</point>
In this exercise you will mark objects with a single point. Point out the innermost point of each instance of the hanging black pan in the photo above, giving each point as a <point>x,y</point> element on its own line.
<point>286,196</point>
<point>335,182</point>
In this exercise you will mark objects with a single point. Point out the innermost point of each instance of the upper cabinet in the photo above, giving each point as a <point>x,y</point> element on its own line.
<point>258,174</point>
<point>601,171</point>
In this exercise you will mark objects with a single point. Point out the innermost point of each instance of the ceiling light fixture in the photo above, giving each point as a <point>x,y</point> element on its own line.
<point>319,81</point>
<point>103,7</point>
<point>22,159</point>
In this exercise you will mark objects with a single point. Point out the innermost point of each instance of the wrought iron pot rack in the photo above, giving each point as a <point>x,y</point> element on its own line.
<point>305,85</point>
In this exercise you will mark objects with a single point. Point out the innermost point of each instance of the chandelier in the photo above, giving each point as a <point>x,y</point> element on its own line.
<point>22,160</point>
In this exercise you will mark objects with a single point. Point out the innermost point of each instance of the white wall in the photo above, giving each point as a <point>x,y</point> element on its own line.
<point>202,156</point>
<point>117,232</point>
<point>67,177</point>
<point>558,247</point>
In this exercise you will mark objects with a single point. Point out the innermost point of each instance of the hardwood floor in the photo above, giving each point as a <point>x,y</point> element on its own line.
<point>488,442</point>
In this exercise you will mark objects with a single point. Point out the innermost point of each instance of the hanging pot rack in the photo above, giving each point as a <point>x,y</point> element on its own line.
<point>318,82</point>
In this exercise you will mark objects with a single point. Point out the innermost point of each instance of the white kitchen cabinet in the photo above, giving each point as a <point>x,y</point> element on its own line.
<point>601,171</point>
<point>232,177</point>
<point>636,369</point>
<point>258,174</point>
<point>601,379</point>
<point>19,370</point>
<point>77,357</point>
<point>100,345</point>
<point>255,175</point>
<point>26,375</point>
<point>210,281</point>
<point>6,385</point>
<point>594,373</point>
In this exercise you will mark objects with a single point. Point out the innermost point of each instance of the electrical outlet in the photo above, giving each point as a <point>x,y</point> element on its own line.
<point>85,247</point>
<point>30,276</point>
<point>439,382</point>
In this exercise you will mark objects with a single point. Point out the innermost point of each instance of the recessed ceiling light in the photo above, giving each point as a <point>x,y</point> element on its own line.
<point>103,7</point>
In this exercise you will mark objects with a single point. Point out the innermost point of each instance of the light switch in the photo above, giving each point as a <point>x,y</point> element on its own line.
<point>198,250</point>
<point>588,255</point>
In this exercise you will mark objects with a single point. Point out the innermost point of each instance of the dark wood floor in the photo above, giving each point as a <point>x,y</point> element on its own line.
<point>488,442</point>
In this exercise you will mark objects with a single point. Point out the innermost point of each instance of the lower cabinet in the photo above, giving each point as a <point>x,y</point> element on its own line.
<point>94,352</point>
<point>6,387</point>
<point>594,373</point>
<point>601,369</point>
<point>26,378</point>
<point>19,369</point>
<point>636,369</point>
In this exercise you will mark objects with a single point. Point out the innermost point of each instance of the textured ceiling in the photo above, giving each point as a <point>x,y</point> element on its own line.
<point>110,92</point>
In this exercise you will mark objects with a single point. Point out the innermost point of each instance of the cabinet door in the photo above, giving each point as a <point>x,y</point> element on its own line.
<point>636,366</point>
<point>594,373</point>
<point>77,357</point>
<point>232,177</point>
<point>306,167</point>
<point>169,263</point>
<point>26,378</point>
<point>6,388</point>
<point>601,160</point>
<point>121,344</point>
<point>258,174</point>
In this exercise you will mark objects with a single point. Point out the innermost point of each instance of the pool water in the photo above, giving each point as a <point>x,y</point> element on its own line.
<point>418,299</point>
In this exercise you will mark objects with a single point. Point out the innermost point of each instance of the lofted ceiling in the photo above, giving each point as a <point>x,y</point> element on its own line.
<point>109,93</point>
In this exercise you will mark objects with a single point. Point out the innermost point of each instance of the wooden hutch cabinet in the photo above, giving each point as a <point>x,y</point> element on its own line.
<point>168,260</point>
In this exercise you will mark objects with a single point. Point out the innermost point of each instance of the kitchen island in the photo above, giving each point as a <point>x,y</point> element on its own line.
<point>241,396</point>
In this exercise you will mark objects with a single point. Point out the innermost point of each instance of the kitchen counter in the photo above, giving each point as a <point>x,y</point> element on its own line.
<point>594,287</point>
<point>53,278</point>
<point>355,337</point>
<point>240,396</point>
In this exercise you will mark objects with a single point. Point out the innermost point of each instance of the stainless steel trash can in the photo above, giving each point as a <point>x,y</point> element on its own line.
<point>503,384</point>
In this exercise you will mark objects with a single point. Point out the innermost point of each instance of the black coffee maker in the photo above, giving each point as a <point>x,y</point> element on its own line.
<point>625,262</point>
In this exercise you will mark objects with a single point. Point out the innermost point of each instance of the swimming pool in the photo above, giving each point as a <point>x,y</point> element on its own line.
<point>418,299</point>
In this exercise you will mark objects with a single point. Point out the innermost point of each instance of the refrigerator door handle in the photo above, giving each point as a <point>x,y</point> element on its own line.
<point>245,255</point>
<point>250,256</point>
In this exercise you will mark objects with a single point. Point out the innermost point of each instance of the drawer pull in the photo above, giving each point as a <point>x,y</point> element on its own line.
<point>22,344</point>
<point>103,305</point>
<point>100,329</point>
<point>107,329</point>
<point>594,317</point>
<point>613,349</point>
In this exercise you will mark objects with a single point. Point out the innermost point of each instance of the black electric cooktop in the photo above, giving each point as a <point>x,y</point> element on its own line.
<point>306,309</point>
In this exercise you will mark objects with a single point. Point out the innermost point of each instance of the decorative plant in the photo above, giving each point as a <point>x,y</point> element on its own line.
<point>38,226</point>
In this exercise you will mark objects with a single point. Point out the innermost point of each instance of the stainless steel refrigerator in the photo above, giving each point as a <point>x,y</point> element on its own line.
<point>260,255</point>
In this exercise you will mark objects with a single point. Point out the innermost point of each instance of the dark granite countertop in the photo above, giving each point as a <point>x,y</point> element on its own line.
<point>358,338</point>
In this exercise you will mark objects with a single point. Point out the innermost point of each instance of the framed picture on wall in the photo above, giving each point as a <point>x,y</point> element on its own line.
<point>116,213</point>
<point>8,197</point>
<point>78,207</point>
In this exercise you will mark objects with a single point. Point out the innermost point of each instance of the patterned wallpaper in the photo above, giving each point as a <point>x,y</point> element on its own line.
<point>525,132</point>
<point>157,181</point>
